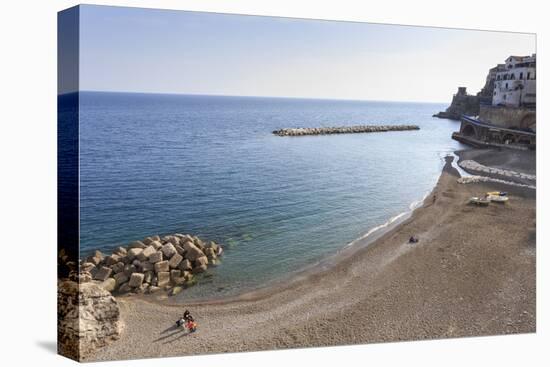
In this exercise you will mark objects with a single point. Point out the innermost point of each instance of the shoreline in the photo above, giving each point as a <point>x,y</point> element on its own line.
<point>316,268</point>
<point>453,283</point>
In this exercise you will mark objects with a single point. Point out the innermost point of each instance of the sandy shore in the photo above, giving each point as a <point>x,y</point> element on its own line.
<point>471,274</point>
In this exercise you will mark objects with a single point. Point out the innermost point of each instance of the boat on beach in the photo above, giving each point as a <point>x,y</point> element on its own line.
<point>479,201</point>
<point>497,198</point>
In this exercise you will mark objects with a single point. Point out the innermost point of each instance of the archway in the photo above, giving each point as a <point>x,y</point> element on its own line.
<point>468,130</point>
<point>508,139</point>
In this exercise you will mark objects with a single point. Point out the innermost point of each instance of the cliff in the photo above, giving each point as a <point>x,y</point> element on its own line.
<point>462,104</point>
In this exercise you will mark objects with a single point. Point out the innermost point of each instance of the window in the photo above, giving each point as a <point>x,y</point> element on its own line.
<point>528,75</point>
<point>521,75</point>
<point>506,85</point>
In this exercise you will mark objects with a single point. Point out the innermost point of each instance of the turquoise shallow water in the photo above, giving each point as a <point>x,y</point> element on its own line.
<point>210,166</point>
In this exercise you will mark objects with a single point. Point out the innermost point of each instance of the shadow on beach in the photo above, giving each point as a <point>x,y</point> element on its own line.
<point>172,331</point>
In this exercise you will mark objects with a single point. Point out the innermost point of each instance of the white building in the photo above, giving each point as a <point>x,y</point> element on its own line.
<point>515,84</point>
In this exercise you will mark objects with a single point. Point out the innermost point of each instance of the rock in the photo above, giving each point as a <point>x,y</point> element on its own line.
<point>136,263</point>
<point>198,242</point>
<point>210,253</point>
<point>162,266</point>
<point>179,250</point>
<point>88,317</point>
<point>168,250</point>
<point>171,239</point>
<point>136,280</point>
<point>176,290</point>
<point>192,252</point>
<point>87,267</point>
<point>175,260</point>
<point>148,241</point>
<point>201,261</point>
<point>129,269</point>
<point>148,251</point>
<point>80,277</point>
<point>177,279</point>
<point>118,267</point>
<point>156,257</point>
<point>213,246</point>
<point>155,238</point>
<point>185,265</point>
<point>120,278</point>
<point>174,274</point>
<point>141,289</point>
<point>174,240</point>
<point>163,278</point>
<point>124,288</point>
<point>112,260</point>
<point>134,252</point>
<point>152,289</point>
<point>141,256</point>
<point>214,262</point>
<point>148,276</point>
<point>103,273</point>
<point>137,244</point>
<point>199,269</point>
<point>191,281</point>
<point>108,284</point>
<point>156,244</point>
<point>146,266</point>
<point>120,251</point>
<point>185,238</point>
<point>94,260</point>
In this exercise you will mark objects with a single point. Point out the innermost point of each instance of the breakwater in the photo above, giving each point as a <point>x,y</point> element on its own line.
<point>156,263</point>
<point>301,131</point>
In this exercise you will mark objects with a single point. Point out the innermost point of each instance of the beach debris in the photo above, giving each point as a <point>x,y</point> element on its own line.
<point>151,264</point>
<point>413,239</point>
<point>301,131</point>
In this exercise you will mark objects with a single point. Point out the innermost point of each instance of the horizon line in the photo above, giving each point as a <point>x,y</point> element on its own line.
<point>250,96</point>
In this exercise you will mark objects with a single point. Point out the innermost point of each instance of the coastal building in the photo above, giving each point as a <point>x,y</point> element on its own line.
<point>485,95</point>
<point>507,116</point>
<point>515,83</point>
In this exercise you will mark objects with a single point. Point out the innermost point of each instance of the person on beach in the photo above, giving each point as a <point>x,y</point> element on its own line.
<point>184,319</point>
<point>187,316</point>
<point>190,323</point>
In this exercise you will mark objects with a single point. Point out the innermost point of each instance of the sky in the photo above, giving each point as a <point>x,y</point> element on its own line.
<point>164,51</point>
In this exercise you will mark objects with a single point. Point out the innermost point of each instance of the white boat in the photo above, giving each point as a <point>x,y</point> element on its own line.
<point>497,198</point>
<point>479,201</point>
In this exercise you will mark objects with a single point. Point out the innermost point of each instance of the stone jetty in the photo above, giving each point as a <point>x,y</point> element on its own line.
<point>301,131</point>
<point>168,263</point>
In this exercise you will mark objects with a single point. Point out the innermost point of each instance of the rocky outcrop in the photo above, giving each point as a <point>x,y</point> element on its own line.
<point>343,130</point>
<point>462,104</point>
<point>88,317</point>
<point>151,264</point>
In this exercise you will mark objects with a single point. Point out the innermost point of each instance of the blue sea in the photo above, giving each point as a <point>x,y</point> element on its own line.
<point>210,166</point>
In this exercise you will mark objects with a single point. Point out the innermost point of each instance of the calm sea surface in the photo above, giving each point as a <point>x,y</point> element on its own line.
<point>207,165</point>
